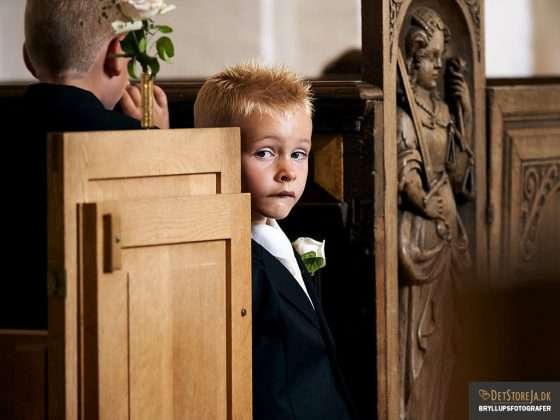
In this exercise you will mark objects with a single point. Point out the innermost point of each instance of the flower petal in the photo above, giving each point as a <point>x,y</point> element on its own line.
<point>167,8</point>
<point>120,27</point>
<point>305,245</point>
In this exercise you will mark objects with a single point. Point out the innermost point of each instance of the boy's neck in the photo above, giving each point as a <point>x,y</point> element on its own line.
<point>91,80</point>
<point>76,80</point>
<point>66,80</point>
<point>258,219</point>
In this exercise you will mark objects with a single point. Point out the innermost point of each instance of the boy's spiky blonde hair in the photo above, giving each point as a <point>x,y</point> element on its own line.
<point>241,91</point>
<point>64,35</point>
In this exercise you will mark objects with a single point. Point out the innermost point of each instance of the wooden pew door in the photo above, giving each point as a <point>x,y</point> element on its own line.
<point>96,167</point>
<point>167,308</point>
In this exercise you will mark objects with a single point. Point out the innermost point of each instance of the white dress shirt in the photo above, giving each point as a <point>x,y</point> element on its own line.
<point>271,237</point>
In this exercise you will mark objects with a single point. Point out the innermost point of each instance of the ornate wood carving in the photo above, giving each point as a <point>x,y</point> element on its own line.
<point>435,166</point>
<point>474,10</point>
<point>540,182</point>
<point>395,7</point>
<point>524,181</point>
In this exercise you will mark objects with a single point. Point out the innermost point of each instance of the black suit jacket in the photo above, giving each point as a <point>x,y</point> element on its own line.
<point>45,108</point>
<point>295,373</point>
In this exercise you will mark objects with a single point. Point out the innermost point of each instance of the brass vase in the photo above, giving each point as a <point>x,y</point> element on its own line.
<point>147,93</point>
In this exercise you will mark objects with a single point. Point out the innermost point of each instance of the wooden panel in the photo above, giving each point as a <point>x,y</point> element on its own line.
<point>177,322</point>
<point>97,166</point>
<point>135,154</point>
<point>130,188</point>
<point>524,182</point>
<point>328,167</point>
<point>23,369</point>
<point>534,192</point>
<point>385,24</point>
<point>166,335</point>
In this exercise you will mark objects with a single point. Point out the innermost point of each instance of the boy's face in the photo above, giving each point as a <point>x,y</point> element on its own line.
<point>274,159</point>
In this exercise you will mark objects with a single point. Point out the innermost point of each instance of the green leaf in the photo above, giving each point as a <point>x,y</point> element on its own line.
<point>128,45</point>
<point>144,60</point>
<point>165,48</point>
<point>164,29</point>
<point>139,41</point>
<point>312,264</point>
<point>132,69</point>
<point>309,254</point>
<point>153,64</point>
<point>142,44</point>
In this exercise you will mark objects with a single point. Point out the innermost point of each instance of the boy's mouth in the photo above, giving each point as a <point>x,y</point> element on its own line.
<point>285,194</point>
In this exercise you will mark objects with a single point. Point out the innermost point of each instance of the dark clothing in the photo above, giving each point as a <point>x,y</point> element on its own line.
<point>45,108</point>
<point>58,108</point>
<point>295,372</point>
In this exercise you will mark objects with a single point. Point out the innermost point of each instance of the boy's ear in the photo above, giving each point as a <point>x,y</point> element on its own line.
<point>27,61</point>
<point>114,65</point>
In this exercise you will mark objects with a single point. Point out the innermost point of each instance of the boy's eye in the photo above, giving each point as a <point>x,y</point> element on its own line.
<point>299,155</point>
<point>264,153</point>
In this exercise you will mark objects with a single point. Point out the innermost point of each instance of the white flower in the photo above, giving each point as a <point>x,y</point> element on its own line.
<point>120,27</point>
<point>144,9</point>
<point>141,44</point>
<point>312,253</point>
<point>167,9</point>
<point>305,245</point>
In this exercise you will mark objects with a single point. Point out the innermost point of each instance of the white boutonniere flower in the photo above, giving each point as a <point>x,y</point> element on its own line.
<point>312,253</point>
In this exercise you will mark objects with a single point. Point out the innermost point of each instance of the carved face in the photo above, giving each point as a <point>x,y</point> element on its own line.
<point>274,159</point>
<point>430,62</point>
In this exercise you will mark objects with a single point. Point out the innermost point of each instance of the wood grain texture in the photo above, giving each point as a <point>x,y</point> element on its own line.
<point>524,144</point>
<point>168,338</point>
<point>97,166</point>
<point>328,164</point>
<point>384,23</point>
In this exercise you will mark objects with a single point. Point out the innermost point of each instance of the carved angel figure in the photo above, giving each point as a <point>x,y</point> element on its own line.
<point>435,164</point>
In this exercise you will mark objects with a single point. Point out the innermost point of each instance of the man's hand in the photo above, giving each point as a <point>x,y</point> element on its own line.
<point>131,104</point>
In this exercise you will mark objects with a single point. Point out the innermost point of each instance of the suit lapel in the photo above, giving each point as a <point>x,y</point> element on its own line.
<point>307,279</point>
<point>289,288</point>
<point>326,333</point>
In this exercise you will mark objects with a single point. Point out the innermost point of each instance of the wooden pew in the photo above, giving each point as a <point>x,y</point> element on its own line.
<point>23,369</point>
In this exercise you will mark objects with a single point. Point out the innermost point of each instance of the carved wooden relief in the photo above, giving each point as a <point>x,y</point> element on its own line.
<point>524,196</point>
<point>436,234</point>
<point>395,7</point>
<point>435,174</point>
<point>540,186</point>
<point>474,10</point>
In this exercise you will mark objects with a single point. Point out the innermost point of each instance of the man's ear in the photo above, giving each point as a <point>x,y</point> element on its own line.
<point>27,61</point>
<point>114,65</point>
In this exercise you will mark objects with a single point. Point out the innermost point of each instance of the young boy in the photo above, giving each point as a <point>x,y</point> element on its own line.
<point>295,375</point>
<point>71,49</point>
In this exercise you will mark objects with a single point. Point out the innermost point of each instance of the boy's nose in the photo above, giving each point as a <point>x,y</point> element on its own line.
<point>286,172</point>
